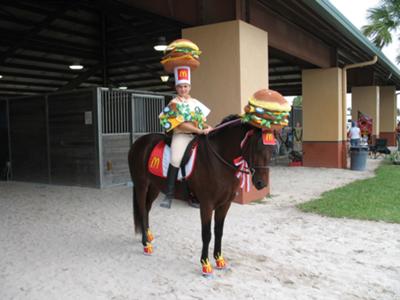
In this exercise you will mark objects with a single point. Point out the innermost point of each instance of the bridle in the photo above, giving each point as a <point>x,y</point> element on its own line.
<point>245,147</point>
<point>249,169</point>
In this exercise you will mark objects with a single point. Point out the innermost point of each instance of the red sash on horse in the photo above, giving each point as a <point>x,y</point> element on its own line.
<point>160,157</point>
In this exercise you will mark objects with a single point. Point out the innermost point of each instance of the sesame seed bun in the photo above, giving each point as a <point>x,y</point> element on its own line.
<point>184,43</point>
<point>270,100</point>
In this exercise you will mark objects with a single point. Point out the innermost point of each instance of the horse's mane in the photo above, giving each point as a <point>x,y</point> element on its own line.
<point>229,118</point>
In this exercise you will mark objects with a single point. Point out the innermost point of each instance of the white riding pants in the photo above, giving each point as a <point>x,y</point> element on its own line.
<point>178,146</point>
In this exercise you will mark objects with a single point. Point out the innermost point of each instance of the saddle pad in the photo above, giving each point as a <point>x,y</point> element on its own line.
<point>160,157</point>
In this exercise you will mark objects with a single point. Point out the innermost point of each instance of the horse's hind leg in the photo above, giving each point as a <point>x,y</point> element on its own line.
<point>152,194</point>
<point>219,219</point>
<point>206,215</point>
<point>141,192</point>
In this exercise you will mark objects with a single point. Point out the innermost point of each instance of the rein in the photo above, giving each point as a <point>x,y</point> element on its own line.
<point>223,160</point>
<point>243,145</point>
<point>232,166</point>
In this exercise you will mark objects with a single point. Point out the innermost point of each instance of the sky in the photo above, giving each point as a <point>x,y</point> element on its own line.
<point>356,12</point>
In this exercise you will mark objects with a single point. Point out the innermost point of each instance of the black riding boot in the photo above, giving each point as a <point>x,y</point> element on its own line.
<point>171,178</point>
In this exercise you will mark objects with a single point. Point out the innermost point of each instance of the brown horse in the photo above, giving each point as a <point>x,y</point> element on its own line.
<point>214,182</point>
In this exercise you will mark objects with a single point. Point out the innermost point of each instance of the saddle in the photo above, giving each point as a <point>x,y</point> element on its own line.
<point>160,158</point>
<point>161,154</point>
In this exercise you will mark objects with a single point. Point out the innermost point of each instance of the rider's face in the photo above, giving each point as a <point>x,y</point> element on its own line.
<point>183,90</point>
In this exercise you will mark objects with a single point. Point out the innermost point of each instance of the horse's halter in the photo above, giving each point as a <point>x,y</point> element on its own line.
<point>245,148</point>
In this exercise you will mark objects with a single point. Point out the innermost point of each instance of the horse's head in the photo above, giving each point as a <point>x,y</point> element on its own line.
<point>258,157</point>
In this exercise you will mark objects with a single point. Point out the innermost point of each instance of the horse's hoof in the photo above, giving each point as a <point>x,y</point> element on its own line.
<point>149,236</point>
<point>148,249</point>
<point>206,268</point>
<point>220,262</point>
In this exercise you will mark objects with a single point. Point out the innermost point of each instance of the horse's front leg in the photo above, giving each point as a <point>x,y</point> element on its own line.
<point>206,215</point>
<point>219,219</point>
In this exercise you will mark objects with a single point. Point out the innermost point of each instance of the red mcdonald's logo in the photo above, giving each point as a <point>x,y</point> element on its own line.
<point>268,138</point>
<point>183,74</point>
<point>155,162</point>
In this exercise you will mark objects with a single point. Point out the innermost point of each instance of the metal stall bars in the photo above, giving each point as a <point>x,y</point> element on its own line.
<point>124,116</point>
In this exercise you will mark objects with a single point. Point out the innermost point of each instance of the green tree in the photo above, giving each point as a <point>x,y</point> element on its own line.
<point>298,101</point>
<point>383,20</point>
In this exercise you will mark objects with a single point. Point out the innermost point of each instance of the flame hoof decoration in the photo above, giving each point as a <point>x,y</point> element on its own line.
<point>149,236</point>
<point>148,249</point>
<point>220,262</point>
<point>206,268</point>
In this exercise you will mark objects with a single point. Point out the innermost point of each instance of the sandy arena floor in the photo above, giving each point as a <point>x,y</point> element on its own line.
<point>61,242</point>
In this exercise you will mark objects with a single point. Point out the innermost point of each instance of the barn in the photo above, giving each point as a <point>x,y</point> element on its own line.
<point>80,80</point>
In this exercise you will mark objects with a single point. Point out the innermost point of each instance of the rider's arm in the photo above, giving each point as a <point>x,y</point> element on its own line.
<point>189,127</point>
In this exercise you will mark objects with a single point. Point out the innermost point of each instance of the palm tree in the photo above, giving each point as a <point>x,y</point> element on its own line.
<point>383,22</point>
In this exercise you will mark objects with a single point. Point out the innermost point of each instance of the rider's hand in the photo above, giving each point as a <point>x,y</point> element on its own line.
<point>207,130</point>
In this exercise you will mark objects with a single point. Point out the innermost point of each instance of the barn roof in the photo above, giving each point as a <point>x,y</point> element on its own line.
<point>114,41</point>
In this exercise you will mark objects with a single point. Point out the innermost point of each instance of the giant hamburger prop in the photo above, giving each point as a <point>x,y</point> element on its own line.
<point>267,109</point>
<point>181,52</point>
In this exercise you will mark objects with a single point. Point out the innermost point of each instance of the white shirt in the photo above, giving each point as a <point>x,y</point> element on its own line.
<point>192,102</point>
<point>354,133</point>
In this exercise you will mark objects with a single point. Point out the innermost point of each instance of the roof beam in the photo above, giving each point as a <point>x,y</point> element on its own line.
<point>44,9</point>
<point>82,77</point>
<point>54,77</point>
<point>157,70</point>
<point>23,39</point>
<point>25,83</point>
<point>283,72</point>
<point>47,60</point>
<point>45,42</point>
<point>287,37</point>
<point>32,67</point>
<point>25,89</point>
<point>52,27</point>
<point>55,47</point>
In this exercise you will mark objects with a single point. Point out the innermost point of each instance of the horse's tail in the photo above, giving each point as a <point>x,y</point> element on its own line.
<point>136,215</point>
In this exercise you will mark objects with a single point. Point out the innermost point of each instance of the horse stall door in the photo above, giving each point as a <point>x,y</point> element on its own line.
<point>125,116</point>
<point>72,138</point>
<point>5,165</point>
<point>114,137</point>
<point>28,139</point>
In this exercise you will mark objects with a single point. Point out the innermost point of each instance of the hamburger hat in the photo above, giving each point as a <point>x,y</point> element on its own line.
<point>181,57</point>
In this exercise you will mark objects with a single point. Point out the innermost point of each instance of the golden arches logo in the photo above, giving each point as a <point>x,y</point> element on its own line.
<point>268,137</point>
<point>183,74</point>
<point>155,162</point>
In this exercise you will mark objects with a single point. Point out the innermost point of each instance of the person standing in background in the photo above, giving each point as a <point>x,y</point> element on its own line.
<point>298,138</point>
<point>354,135</point>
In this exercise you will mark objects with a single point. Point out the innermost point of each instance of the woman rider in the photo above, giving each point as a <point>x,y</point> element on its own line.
<point>185,117</point>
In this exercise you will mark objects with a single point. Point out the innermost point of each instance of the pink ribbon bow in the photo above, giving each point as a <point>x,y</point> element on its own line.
<point>243,173</point>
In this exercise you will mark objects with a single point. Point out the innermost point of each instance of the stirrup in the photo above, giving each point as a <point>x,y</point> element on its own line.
<point>166,202</point>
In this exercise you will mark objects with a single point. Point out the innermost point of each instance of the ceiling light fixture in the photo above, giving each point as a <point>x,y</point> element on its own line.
<point>1,76</point>
<point>76,67</point>
<point>123,88</point>
<point>161,44</point>
<point>164,78</point>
